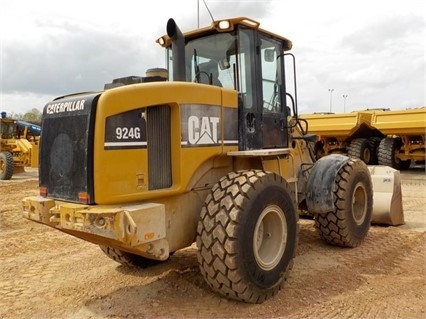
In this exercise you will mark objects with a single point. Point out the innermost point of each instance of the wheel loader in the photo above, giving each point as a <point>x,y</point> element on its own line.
<point>19,146</point>
<point>215,155</point>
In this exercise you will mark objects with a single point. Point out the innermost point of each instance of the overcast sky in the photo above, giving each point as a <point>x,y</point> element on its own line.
<point>372,51</point>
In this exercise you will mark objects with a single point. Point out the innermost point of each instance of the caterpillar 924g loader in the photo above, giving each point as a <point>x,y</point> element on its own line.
<point>215,155</point>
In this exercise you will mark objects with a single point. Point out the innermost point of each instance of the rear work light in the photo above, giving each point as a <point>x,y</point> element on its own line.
<point>83,198</point>
<point>43,191</point>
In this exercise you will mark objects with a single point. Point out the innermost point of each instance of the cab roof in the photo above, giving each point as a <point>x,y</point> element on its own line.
<point>225,25</point>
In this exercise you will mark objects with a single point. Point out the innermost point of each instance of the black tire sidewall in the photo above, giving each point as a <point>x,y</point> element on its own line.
<point>358,148</point>
<point>387,149</point>
<point>374,145</point>
<point>7,159</point>
<point>267,195</point>
<point>358,232</point>
<point>3,161</point>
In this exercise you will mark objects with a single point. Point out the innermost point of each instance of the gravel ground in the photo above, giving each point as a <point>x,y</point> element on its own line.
<point>47,274</point>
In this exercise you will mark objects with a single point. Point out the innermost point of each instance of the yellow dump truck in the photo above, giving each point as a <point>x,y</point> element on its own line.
<point>19,146</point>
<point>404,140</point>
<point>377,136</point>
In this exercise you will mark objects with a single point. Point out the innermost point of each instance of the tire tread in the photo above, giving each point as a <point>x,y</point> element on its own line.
<point>333,226</point>
<point>219,223</point>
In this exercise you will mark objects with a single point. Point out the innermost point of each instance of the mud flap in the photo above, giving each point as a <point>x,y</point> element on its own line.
<point>387,195</point>
<point>387,207</point>
<point>320,187</point>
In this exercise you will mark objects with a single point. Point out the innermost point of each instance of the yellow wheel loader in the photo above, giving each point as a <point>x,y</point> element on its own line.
<point>19,146</point>
<point>216,155</point>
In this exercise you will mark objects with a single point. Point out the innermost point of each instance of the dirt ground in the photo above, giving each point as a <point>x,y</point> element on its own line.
<point>47,274</point>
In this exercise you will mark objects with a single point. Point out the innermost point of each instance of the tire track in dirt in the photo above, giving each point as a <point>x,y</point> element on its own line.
<point>46,273</point>
<point>378,276</point>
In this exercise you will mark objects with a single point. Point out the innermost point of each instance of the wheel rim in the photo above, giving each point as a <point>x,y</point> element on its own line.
<point>270,237</point>
<point>359,203</point>
<point>395,157</point>
<point>366,155</point>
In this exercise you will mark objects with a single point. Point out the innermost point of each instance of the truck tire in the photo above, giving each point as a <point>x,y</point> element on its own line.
<point>6,165</point>
<point>374,142</point>
<point>388,151</point>
<point>360,148</point>
<point>128,259</point>
<point>247,235</point>
<point>348,224</point>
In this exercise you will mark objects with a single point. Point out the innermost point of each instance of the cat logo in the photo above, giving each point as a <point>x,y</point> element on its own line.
<point>203,131</point>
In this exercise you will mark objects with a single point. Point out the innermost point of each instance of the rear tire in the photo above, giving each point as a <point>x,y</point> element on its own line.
<point>348,224</point>
<point>247,235</point>
<point>374,142</point>
<point>388,151</point>
<point>360,148</point>
<point>128,259</point>
<point>6,165</point>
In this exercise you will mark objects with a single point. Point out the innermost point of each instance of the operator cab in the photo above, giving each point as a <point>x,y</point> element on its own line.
<point>7,128</point>
<point>237,54</point>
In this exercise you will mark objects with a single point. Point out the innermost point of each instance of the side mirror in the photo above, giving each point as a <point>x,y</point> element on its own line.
<point>224,64</point>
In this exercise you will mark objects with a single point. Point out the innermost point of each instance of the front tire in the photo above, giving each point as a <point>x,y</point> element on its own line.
<point>6,165</point>
<point>374,142</point>
<point>388,152</point>
<point>348,224</point>
<point>247,235</point>
<point>360,148</point>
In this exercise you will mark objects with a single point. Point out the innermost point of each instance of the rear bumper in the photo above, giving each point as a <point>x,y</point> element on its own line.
<point>131,227</point>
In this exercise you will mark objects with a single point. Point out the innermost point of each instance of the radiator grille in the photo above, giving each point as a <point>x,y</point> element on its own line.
<point>159,147</point>
<point>66,147</point>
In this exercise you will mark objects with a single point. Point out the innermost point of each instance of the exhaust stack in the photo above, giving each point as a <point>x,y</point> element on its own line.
<point>178,50</point>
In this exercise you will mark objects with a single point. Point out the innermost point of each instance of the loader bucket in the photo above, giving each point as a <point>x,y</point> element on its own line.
<point>387,196</point>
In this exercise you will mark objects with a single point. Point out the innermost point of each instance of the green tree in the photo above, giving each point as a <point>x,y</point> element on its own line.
<point>33,116</point>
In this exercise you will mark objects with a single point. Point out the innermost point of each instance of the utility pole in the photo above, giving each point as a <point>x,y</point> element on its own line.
<point>331,98</point>
<point>345,96</point>
<point>198,14</point>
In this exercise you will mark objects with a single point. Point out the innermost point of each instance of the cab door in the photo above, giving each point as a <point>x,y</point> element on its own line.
<point>274,111</point>
<point>260,81</point>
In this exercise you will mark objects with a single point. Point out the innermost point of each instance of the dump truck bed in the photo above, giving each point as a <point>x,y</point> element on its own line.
<point>401,122</point>
<point>342,124</point>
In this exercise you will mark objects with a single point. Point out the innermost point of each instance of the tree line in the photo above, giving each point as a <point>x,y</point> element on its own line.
<point>32,116</point>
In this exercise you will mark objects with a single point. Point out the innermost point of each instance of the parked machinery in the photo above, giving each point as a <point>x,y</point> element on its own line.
<point>377,136</point>
<point>211,156</point>
<point>19,146</point>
